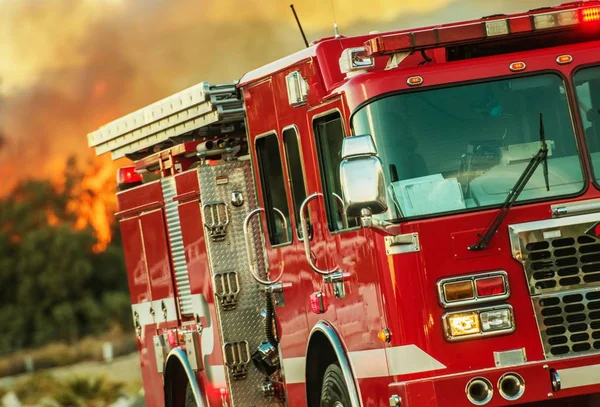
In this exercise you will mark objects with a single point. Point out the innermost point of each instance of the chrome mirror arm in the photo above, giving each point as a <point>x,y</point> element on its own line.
<point>383,226</point>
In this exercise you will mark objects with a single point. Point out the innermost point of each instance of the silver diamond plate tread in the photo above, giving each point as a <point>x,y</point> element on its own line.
<point>244,323</point>
<point>182,279</point>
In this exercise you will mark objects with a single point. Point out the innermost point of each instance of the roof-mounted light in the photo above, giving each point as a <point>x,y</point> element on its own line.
<point>564,59</point>
<point>518,66</point>
<point>553,20</point>
<point>480,31</point>
<point>591,14</point>
<point>497,27</point>
<point>354,59</point>
<point>414,81</point>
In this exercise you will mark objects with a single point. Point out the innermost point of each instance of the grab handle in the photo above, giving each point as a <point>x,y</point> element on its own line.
<point>304,225</point>
<point>249,249</point>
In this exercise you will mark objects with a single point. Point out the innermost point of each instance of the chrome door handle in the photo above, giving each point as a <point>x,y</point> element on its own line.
<point>250,252</point>
<point>309,255</point>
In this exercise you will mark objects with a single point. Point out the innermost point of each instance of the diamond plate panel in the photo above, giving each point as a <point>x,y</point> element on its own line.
<point>243,323</point>
<point>182,279</point>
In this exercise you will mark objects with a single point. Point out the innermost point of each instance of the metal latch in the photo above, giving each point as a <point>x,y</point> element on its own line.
<point>227,287</point>
<point>136,323</point>
<point>399,244</point>
<point>337,279</point>
<point>160,352</point>
<point>237,357</point>
<point>193,351</point>
<point>276,289</point>
<point>216,219</point>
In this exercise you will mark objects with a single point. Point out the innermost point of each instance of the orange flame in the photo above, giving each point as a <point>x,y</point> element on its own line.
<point>96,202</point>
<point>109,64</point>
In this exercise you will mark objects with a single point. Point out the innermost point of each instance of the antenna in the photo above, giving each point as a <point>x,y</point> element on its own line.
<point>336,30</point>
<point>299,25</point>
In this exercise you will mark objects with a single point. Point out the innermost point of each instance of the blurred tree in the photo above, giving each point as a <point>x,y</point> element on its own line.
<point>52,285</point>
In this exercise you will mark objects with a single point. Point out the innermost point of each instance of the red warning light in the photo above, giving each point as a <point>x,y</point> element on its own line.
<point>589,15</point>
<point>318,303</point>
<point>487,287</point>
<point>127,175</point>
<point>171,338</point>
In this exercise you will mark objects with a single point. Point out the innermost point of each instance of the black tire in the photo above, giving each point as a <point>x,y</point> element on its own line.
<point>189,396</point>
<point>334,391</point>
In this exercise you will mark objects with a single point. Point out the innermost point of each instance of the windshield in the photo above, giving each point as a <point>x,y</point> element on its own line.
<point>587,84</point>
<point>465,147</point>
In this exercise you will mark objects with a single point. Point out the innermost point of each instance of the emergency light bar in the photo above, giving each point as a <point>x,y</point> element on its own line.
<point>471,31</point>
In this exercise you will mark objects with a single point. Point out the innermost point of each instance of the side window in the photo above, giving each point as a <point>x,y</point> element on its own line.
<point>329,134</point>
<point>294,166</point>
<point>273,188</point>
<point>587,82</point>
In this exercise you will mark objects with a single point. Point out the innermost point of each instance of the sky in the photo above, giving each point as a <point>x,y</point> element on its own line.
<point>69,66</point>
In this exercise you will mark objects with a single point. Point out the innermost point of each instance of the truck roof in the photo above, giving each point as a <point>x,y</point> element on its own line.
<point>214,110</point>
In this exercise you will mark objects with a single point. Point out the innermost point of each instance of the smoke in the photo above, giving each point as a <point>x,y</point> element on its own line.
<point>67,67</point>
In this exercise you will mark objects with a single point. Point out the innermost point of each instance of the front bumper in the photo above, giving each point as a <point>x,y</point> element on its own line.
<point>571,377</point>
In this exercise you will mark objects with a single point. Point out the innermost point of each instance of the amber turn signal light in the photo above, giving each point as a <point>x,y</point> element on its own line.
<point>564,59</point>
<point>414,81</point>
<point>385,335</point>
<point>459,291</point>
<point>518,66</point>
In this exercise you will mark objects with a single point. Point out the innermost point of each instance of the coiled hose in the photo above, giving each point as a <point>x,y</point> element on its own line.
<point>269,320</point>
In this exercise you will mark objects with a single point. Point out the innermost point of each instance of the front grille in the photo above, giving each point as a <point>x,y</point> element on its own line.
<point>558,254</point>
<point>562,263</point>
<point>569,322</point>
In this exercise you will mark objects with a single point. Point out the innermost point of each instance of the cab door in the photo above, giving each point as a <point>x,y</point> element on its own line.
<point>351,282</point>
<point>277,152</point>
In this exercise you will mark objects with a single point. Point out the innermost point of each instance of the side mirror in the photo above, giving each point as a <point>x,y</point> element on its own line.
<point>361,175</point>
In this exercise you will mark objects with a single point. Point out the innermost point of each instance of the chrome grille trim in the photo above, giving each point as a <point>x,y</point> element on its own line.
<point>556,254</point>
<point>569,322</point>
<point>182,279</point>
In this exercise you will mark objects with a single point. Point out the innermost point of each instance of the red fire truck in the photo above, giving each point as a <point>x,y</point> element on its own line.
<point>404,219</point>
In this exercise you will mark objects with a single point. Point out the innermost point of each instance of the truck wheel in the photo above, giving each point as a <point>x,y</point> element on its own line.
<point>334,392</point>
<point>189,396</point>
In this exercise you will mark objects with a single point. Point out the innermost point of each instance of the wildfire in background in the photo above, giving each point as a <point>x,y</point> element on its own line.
<point>67,67</point>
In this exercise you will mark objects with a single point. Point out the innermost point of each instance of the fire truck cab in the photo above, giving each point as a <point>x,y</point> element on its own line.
<point>404,219</point>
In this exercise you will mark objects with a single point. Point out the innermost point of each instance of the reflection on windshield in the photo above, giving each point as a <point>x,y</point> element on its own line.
<point>465,147</point>
<point>587,84</point>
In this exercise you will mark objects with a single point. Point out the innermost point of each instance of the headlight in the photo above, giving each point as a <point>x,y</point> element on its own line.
<point>475,323</point>
<point>496,320</point>
<point>464,323</point>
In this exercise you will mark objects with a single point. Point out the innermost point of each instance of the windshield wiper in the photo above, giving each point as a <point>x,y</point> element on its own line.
<point>541,157</point>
